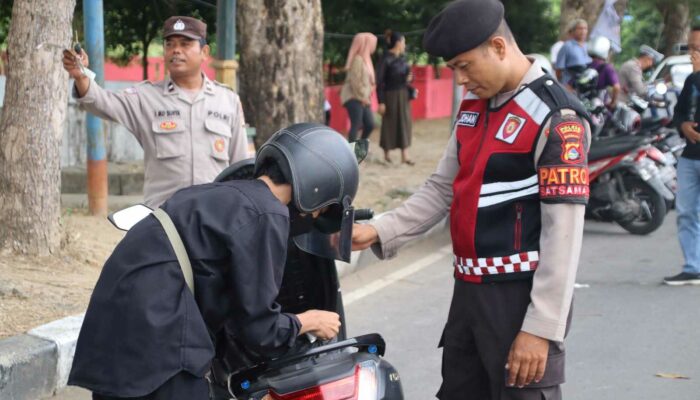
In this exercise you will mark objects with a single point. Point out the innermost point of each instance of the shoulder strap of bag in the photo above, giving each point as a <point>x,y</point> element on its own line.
<point>178,246</point>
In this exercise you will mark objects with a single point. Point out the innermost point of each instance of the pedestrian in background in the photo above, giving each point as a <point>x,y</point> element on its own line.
<point>687,116</point>
<point>573,57</point>
<point>393,77</point>
<point>189,126</point>
<point>556,47</point>
<point>356,94</point>
<point>632,72</point>
<point>608,82</point>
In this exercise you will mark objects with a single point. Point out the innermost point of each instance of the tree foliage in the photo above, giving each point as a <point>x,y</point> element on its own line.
<point>5,15</point>
<point>641,25</point>
<point>533,23</point>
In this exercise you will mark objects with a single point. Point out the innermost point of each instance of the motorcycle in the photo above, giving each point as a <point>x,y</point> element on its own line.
<point>626,121</point>
<point>344,368</point>
<point>626,186</point>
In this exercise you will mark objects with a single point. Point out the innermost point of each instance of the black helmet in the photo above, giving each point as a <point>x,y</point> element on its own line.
<point>322,169</point>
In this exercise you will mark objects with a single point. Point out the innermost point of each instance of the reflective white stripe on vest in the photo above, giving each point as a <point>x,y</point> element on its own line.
<point>533,105</point>
<point>506,197</point>
<point>519,262</point>
<point>508,186</point>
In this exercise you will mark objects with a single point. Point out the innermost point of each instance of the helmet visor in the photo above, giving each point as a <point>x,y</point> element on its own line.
<point>336,245</point>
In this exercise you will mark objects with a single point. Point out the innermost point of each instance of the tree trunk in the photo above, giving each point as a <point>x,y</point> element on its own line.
<point>676,14</point>
<point>36,99</point>
<point>281,63</point>
<point>572,9</point>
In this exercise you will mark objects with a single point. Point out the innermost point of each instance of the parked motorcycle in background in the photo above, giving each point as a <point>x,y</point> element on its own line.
<point>632,182</point>
<point>626,185</point>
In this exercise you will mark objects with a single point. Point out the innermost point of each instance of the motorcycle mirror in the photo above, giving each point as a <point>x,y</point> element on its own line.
<point>360,148</point>
<point>128,217</point>
<point>661,88</point>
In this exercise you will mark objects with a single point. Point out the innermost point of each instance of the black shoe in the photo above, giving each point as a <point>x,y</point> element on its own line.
<point>684,278</point>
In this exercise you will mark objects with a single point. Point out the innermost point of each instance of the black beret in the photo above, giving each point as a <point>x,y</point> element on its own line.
<point>461,26</point>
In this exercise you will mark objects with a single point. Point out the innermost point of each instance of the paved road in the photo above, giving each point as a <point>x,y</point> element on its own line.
<point>627,327</point>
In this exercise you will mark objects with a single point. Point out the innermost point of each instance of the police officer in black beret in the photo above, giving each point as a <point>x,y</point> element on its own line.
<point>514,181</point>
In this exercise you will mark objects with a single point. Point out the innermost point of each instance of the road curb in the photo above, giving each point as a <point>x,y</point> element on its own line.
<point>64,334</point>
<point>27,368</point>
<point>37,364</point>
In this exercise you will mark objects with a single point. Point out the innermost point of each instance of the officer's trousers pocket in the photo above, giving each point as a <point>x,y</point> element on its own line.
<point>554,373</point>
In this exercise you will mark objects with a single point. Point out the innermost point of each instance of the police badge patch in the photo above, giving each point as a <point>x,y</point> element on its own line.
<point>179,25</point>
<point>219,145</point>
<point>510,128</point>
<point>571,134</point>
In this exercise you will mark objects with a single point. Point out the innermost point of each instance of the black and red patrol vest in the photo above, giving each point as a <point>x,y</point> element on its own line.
<point>495,216</point>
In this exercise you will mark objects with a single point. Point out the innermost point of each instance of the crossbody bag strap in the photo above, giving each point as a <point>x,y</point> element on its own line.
<point>178,246</point>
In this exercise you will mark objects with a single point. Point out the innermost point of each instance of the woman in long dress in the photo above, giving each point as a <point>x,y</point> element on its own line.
<point>393,76</point>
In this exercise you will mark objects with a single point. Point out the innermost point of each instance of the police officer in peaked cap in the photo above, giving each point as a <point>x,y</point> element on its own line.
<point>190,127</point>
<point>514,182</point>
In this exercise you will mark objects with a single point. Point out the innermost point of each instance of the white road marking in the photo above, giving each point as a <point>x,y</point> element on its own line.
<point>402,273</point>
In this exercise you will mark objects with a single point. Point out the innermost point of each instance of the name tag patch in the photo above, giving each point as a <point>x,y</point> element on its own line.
<point>167,113</point>
<point>468,118</point>
<point>510,128</point>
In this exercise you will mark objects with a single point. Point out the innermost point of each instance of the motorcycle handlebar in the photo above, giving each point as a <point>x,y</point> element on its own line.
<point>363,214</point>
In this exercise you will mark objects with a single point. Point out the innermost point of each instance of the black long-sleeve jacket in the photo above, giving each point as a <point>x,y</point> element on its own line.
<point>143,325</point>
<point>687,110</point>
<point>392,74</point>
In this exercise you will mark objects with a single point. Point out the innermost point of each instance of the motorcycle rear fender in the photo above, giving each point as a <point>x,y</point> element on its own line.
<point>654,180</point>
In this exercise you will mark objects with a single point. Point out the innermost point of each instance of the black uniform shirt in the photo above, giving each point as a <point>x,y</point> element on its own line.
<point>687,110</point>
<point>143,325</point>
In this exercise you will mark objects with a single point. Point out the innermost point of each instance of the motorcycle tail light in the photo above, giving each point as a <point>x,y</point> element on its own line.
<point>361,385</point>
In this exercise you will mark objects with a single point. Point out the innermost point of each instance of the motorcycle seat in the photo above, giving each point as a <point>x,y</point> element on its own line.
<point>604,148</point>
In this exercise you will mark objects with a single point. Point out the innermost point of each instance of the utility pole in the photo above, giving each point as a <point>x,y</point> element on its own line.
<point>226,64</point>
<point>96,151</point>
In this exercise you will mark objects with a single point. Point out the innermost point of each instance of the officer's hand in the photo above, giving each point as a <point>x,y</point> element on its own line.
<point>527,359</point>
<point>323,324</point>
<point>72,62</point>
<point>688,130</point>
<point>382,109</point>
<point>363,236</point>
